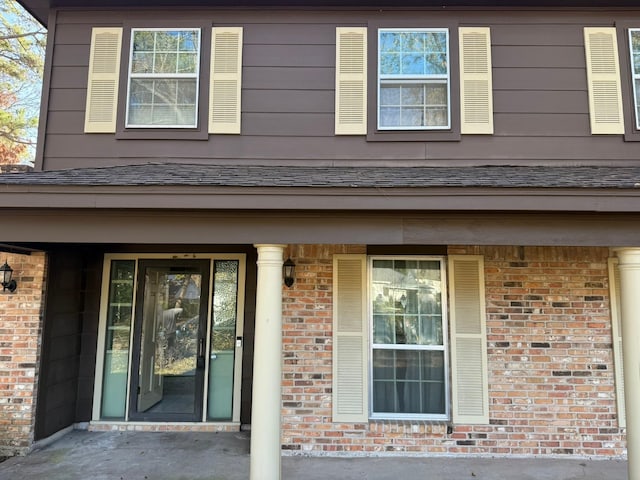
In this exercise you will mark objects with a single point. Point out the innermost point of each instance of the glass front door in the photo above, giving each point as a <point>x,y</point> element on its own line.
<point>169,343</point>
<point>171,338</point>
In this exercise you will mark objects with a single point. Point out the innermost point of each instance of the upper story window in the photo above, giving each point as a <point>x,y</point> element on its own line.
<point>634,48</point>
<point>413,79</point>
<point>163,78</point>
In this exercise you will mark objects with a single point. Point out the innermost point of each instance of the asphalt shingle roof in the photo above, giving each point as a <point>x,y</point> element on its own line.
<point>173,174</point>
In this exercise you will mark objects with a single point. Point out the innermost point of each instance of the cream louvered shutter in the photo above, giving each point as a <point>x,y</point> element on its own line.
<point>351,81</point>
<point>603,78</point>
<point>470,397</point>
<point>225,80</point>
<point>476,97</point>
<point>616,338</point>
<point>349,339</point>
<point>102,84</point>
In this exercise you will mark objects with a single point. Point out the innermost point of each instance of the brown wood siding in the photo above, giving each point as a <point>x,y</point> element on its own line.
<point>65,390</point>
<point>539,79</point>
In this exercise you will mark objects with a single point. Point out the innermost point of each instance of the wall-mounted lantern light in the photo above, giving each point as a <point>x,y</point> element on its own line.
<point>5,274</point>
<point>289,272</point>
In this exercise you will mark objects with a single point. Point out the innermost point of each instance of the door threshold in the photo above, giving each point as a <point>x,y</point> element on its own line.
<point>108,426</point>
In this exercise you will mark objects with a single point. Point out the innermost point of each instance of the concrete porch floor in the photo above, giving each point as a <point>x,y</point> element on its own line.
<point>225,456</point>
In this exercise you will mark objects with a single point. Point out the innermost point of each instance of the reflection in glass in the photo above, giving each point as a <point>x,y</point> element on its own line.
<point>408,337</point>
<point>169,341</point>
<point>413,105</point>
<point>223,340</point>
<point>164,78</point>
<point>408,382</point>
<point>414,77</point>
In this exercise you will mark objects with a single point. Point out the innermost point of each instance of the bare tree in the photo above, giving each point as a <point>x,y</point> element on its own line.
<point>22,46</point>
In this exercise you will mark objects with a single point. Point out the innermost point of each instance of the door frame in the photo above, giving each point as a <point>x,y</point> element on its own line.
<point>102,327</point>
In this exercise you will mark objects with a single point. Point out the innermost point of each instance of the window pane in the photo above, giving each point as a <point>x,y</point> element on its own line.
<point>637,82</point>
<point>412,95</point>
<point>413,63</point>
<point>141,92</point>
<point>189,41</point>
<point>412,117</point>
<point>389,95</point>
<point>436,94</point>
<point>390,117</point>
<point>407,302</point>
<point>140,114</point>
<point>409,382</point>
<point>436,63</point>
<point>116,357</point>
<point>163,102</point>
<point>413,105</point>
<point>223,340</point>
<point>421,59</point>
<point>143,41</point>
<point>142,62</point>
<point>436,117</point>
<point>390,64</point>
<point>167,41</point>
<point>164,92</point>
<point>187,62</point>
<point>159,95</point>
<point>389,42</point>
<point>165,63</point>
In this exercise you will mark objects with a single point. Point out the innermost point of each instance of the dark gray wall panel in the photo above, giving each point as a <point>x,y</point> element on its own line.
<point>536,101</point>
<point>288,78</point>
<point>71,78</point>
<point>289,101</point>
<point>289,55</point>
<point>539,79</point>
<point>288,125</point>
<point>540,125</point>
<point>288,92</point>
<point>290,34</point>
<point>69,342</point>
<point>56,391</point>
<point>522,34</point>
<point>536,56</point>
<point>67,100</point>
<point>71,55</point>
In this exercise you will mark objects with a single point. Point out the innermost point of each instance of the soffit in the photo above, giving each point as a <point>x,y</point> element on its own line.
<point>40,8</point>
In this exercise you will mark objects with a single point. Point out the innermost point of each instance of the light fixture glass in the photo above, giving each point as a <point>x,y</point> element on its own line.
<point>7,282</point>
<point>289,272</point>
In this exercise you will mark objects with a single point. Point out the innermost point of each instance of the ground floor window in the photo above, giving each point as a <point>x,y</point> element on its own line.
<point>409,368</point>
<point>170,338</point>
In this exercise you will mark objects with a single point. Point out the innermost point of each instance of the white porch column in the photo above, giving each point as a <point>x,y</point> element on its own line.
<point>629,264</point>
<point>267,366</point>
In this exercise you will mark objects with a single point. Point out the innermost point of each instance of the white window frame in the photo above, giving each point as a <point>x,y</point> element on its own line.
<point>195,75</point>
<point>445,348</point>
<point>634,77</point>
<point>417,79</point>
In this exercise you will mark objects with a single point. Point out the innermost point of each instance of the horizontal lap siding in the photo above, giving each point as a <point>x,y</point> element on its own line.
<point>539,79</point>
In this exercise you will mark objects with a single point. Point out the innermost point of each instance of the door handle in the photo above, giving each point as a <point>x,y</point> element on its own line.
<point>200,360</point>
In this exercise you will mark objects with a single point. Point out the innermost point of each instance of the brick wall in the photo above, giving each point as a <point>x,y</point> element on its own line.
<point>550,361</point>
<point>20,337</point>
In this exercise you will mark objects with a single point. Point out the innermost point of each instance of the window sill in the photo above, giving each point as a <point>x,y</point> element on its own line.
<point>162,134</point>
<point>413,136</point>
<point>441,427</point>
